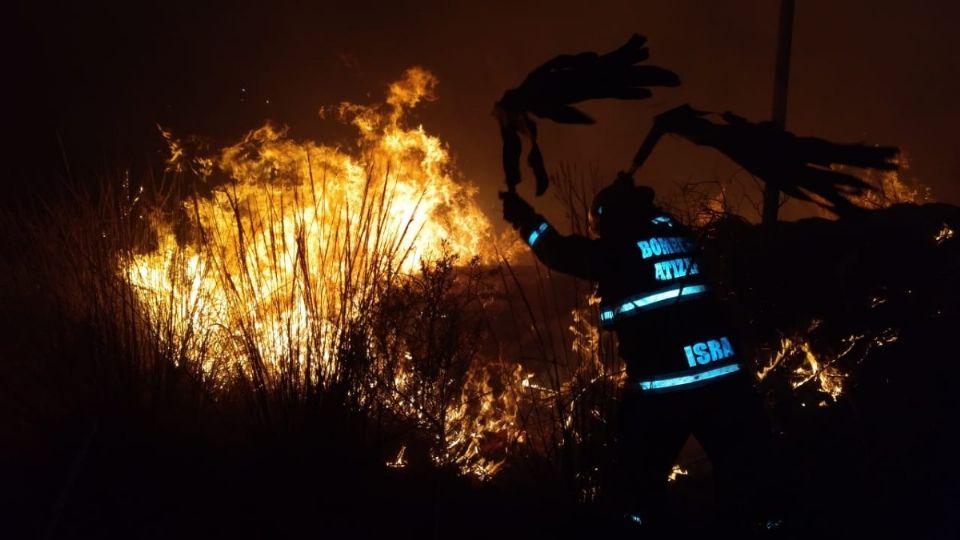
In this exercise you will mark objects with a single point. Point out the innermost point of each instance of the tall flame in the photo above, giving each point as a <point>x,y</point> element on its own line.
<point>297,239</point>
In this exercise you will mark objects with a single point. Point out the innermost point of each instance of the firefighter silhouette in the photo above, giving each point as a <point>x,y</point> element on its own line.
<point>683,363</point>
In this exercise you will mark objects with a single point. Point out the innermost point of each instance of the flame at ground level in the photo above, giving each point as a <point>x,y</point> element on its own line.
<point>805,364</point>
<point>274,271</point>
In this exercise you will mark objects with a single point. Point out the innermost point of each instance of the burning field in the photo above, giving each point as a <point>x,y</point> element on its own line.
<point>339,331</point>
<point>301,270</point>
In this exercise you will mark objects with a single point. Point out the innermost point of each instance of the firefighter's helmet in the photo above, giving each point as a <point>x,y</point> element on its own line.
<point>621,207</point>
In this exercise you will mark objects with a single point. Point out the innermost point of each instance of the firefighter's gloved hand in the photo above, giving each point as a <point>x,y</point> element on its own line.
<point>516,211</point>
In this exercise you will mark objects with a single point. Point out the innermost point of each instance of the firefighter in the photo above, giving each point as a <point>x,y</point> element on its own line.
<point>684,366</point>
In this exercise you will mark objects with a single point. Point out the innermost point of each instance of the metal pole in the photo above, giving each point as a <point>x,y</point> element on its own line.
<point>781,83</point>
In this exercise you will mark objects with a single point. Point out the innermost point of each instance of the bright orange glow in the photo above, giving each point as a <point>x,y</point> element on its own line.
<point>806,365</point>
<point>796,354</point>
<point>294,245</point>
<point>676,472</point>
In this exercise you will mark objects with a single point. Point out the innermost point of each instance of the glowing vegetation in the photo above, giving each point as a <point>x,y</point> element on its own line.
<point>278,271</point>
<point>823,368</point>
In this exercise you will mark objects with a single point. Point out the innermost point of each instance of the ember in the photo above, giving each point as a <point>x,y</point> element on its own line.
<point>675,472</point>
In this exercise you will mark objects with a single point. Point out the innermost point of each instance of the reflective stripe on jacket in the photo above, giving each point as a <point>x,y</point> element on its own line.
<point>670,329</point>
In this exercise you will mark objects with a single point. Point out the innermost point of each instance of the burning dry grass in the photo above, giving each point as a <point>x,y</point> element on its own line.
<point>277,279</point>
<point>288,276</point>
<point>489,371</point>
<point>826,368</point>
<point>308,272</point>
<point>283,280</point>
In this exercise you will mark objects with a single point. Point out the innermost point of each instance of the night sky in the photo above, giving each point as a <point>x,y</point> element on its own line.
<point>99,76</point>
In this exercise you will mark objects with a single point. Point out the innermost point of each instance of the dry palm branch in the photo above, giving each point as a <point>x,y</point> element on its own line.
<point>550,90</point>
<point>798,166</point>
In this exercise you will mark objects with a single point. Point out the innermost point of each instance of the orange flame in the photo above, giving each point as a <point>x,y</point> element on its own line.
<point>806,365</point>
<point>297,239</point>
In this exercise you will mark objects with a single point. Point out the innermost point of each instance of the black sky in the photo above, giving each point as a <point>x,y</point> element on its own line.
<point>102,74</point>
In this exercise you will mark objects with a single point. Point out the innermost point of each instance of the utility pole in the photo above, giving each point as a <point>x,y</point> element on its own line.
<point>781,83</point>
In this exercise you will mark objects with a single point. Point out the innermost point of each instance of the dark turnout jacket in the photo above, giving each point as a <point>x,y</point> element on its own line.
<point>669,326</point>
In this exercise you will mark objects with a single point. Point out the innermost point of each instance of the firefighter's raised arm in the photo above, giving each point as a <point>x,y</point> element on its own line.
<point>571,254</point>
